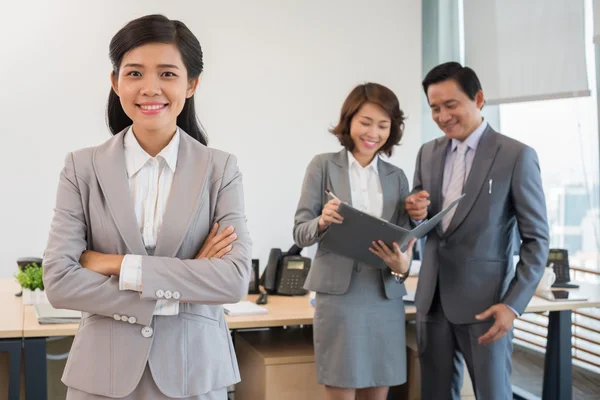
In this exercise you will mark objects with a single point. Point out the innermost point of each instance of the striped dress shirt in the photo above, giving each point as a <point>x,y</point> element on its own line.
<point>150,180</point>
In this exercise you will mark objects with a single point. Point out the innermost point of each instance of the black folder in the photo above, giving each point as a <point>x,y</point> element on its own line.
<point>353,237</point>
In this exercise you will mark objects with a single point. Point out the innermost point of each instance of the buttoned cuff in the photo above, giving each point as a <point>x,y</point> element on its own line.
<point>513,310</point>
<point>131,273</point>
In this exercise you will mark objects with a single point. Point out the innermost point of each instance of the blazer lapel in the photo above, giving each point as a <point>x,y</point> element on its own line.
<point>484,158</point>
<point>186,195</point>
<point>339,180</point>
<point>389,188</point>
<point>438,162</point>
<point>109,165</point>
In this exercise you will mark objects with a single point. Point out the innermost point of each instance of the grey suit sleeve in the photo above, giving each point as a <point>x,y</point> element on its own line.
<point>67,284</point>
<point>209,280</point>
<point>404,219</point>
<point>310,205</point>
<point>417,183</point>
<point>530,208</point>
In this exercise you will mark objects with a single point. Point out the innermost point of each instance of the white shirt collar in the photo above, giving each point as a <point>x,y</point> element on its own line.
<point>473,139</point>
<point>136,157</point>
<point>373,164</point>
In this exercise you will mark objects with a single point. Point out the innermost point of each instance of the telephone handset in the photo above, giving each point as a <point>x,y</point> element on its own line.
<point>286,273</point>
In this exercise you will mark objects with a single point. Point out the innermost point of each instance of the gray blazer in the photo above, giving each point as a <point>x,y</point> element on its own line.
<point>190,353</point>
<point>329,272</point>
<point>473,258</point>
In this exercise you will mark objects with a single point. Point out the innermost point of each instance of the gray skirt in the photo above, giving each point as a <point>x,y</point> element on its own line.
<point>146,390</point>
<point>359,336</point>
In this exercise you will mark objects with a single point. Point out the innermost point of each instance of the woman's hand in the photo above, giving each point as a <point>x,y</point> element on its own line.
<point>330,215</point>
<point>395,259</point>
<point>216,245</point>
<point>105,264</point>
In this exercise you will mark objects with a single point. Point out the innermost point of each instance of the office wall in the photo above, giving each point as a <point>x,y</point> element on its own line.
<point>276,74</point>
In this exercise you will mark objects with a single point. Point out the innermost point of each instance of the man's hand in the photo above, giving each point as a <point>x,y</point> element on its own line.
<point>105,264</point>
<point>504,317</point>
<point>416,205</point>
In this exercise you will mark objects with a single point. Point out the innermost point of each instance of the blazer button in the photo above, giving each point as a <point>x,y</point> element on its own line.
<point>124,318</point>
<point>160,293</point>
<point>168,294</point>
<point>132,320</point>
<point>147,332</point>
<point>117,317</point>
<point>176,295</point>
<point>443,244</point>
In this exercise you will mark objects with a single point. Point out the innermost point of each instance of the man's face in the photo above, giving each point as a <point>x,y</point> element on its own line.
<point>453,111</point>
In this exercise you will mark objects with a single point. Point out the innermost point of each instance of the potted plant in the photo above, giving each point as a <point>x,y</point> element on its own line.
<point>30,279</point>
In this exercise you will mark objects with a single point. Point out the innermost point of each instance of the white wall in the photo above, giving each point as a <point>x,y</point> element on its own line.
<point>276,74</point>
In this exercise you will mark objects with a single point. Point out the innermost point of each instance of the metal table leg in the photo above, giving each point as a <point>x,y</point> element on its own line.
<point>36,385</point>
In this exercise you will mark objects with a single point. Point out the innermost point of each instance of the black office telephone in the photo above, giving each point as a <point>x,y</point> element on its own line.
<point>559,260</point>
<point>286,273</point>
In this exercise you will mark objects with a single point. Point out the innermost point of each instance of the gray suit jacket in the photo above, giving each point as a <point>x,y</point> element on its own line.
<point>472,260</point>
<point>189,354</point>
<point>329,272</point>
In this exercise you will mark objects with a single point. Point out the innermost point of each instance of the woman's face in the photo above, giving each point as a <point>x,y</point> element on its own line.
<point>369,130</point>
<point>153,85</point>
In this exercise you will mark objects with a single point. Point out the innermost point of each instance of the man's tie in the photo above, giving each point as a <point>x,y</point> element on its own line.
<point>457,182</point>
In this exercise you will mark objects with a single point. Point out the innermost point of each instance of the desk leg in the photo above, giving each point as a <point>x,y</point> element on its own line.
<point>36,385</point>
<point>558,364</point>
<point>13,347</point>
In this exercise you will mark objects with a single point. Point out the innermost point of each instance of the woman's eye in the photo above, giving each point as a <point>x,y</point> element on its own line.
<point>168,74</point>
<point>134,73</point>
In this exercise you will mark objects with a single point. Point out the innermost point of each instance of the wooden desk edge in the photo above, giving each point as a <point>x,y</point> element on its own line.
<point>12,334</point>
<point>250,324</point>
<point>31,328</point>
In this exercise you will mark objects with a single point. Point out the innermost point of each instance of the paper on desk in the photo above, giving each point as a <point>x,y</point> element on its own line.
<point>46,314</point>
<point>244,307</point>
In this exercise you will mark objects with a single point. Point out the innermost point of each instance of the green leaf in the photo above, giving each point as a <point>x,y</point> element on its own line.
<point>30,277</point>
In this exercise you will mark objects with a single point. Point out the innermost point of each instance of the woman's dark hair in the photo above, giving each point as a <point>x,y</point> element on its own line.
<point>156,29</point>
<point>465,78</point>
<point>376,94</point>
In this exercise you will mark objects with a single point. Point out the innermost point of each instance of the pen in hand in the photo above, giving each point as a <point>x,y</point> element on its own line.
<point>330,213</point>
<point>332,195</point>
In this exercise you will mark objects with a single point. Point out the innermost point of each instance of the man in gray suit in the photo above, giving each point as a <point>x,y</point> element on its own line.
<point>469,291</point>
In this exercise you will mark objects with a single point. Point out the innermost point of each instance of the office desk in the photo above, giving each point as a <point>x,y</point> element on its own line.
<point>558,362</point>
<point>288,311</point>
<point>11,323</point>
<point>11,330</point>
<point>283,311</point>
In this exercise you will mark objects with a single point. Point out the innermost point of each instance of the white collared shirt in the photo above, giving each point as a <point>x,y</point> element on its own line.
<point>365,186</point>
<point>150,179</point>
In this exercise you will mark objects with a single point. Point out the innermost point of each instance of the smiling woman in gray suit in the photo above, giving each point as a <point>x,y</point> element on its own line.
<point>133,243</point>
<point>359,317</point>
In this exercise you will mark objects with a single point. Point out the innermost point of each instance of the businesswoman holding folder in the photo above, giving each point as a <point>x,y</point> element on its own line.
<point>133,243</point>
<point>359,318</point>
